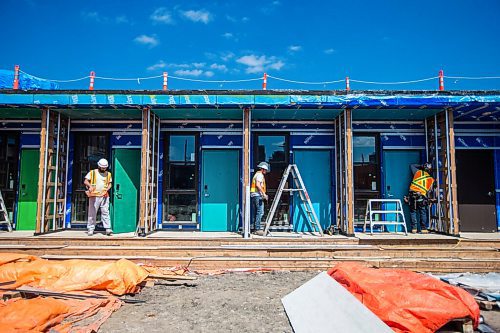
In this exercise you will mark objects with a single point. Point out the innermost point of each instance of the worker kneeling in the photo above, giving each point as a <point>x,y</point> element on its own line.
<point>98,182</point>
<point>418,199</point>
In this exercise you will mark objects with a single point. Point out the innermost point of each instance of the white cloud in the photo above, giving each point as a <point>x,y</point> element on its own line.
<point>162,15</point>
<point>193,72</point>
<point>256,64</point>
<point>197,15</point>
<point>294,48</point>
<point>121,19</point>
<point>235,20</point>
<point>222,68</point>
<point>226,56</point>
<point>198,64</point>
<point>329,51</point>
<point>227,35</point>
<point>159,65</point>
<point>92,16</point>
<point>150,41</point>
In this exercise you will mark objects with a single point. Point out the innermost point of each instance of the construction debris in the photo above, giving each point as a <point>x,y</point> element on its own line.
<point>59,295</point>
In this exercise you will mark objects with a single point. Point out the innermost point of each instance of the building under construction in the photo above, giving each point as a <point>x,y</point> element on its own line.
<point>183,160</point>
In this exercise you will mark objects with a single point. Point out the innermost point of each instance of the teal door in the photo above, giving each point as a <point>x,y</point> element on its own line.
<point>220,208</point>
<point>315,167</point>
<point>397,177</point>
<point>126,188</point>
<point>28,190</point>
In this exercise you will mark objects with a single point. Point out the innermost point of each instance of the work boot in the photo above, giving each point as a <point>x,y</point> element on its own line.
<point>90,232</point>
<point>425,231</point>
<point>259,232</point>
<point>109,232</point>
<point>413,231</point>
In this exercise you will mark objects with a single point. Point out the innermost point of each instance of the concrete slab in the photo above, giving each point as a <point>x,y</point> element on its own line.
<point>83,234</point>
<point>480,235</point>
<point>193,234</point>
<point>394,236</point>
<point>16,234</point>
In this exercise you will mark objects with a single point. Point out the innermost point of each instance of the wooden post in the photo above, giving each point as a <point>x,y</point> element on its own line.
<point>350,176</point>
<point>453,173</point>
<point>246,173</point>
<point>41,172</point>
<point>143,213</point>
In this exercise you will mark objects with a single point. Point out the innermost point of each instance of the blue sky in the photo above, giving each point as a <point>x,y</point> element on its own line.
<point>312,40</point>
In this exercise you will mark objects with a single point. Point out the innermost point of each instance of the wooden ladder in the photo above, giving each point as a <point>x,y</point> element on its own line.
<point>52,182</point>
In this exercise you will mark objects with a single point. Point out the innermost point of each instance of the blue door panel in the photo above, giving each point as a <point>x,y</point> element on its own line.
<point>220,190</point>
<point>397,178</point>
<point>315,169</point>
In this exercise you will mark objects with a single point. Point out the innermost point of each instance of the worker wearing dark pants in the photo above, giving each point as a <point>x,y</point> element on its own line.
<point>258,195</point>
<point>420,188</point>
<point>418,212</point>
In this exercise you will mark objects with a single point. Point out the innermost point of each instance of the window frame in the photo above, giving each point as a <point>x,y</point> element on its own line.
<point>166,176</point>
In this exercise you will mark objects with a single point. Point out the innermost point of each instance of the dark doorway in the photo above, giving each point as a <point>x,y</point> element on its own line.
<point>274,149</point>
<point>366,151</point>
<point>9,159</point>
<point>89,148</point>
<point>476,190</point>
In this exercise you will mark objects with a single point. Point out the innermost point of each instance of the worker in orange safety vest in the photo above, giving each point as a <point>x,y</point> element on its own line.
<point>418,199</point>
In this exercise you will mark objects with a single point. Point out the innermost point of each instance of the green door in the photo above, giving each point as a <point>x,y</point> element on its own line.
<point>397,178</point>
<point>220,208</point>
<point>126,187</point>
<point>28,190</point>
<point>315,169</point>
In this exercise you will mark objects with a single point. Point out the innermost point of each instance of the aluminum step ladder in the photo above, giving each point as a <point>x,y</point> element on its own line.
<point>299,187</point>
<point>4,215</point>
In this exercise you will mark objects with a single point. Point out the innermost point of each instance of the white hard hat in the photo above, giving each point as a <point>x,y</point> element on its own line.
<point>263,165</point>
<point>103,163</point>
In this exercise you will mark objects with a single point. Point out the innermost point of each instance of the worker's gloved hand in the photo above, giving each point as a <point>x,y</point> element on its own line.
<point>406,199</point>
<point>265,197</point>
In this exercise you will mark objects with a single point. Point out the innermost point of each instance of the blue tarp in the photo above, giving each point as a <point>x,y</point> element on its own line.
<point>26,82</point>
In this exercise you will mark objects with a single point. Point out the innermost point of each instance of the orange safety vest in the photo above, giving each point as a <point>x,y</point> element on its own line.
<point>253,187</point>
<point>422,182</point>
<point>93,180</point>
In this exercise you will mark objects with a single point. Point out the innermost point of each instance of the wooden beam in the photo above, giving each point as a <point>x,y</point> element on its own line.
<point>453,173</point>
<point>350,175</point>
<point>246,171</point>
<point>41,171</point>
<point>144,170</point>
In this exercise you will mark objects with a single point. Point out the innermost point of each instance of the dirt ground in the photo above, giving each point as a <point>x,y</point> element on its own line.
<point>237,302</point>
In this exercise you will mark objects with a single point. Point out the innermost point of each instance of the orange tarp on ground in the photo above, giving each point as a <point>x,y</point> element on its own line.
<point>406,301</point>
<point>42,314</point>
<point>118,277</point>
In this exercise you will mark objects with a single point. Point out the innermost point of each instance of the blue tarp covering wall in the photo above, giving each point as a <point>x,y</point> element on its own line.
<point>26,82</point>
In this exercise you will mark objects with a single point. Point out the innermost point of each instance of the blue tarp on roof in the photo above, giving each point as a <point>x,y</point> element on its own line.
<point>26,81</point>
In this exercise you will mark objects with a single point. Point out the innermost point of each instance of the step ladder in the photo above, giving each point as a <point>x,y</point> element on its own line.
<point>300,188</point>
<point>4,215</point>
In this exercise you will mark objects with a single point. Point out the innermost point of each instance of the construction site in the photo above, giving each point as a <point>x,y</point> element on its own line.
<point>183,165</point>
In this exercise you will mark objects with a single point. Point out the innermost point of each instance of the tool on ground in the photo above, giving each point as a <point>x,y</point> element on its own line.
<point>300,188</point>
<point>30,293</point>
<point>3,211</point>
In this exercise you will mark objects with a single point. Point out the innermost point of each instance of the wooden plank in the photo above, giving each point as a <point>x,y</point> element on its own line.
<point>323,305</point>
<point>453,170</point>
<point>144,168</point>
<point>350,175</point>
<point>41,171</point>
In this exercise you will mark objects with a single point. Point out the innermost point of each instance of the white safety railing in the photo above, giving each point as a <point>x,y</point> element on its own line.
<point>385,212</point>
